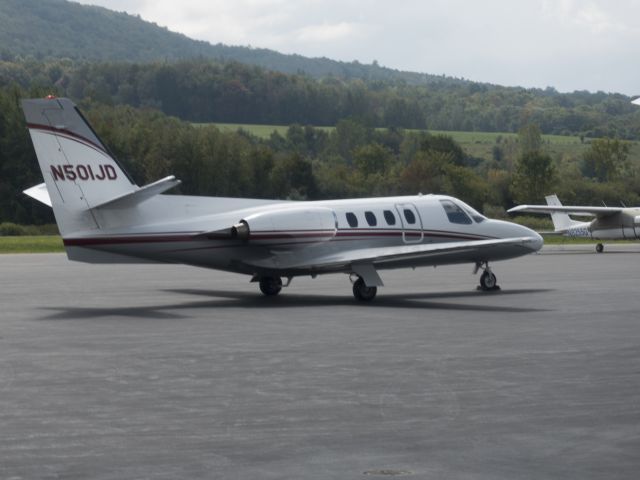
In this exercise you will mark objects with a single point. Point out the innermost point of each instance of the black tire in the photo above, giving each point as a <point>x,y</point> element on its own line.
<point>362,292</point>
<point>599,248</point>
<point>270,286</point>
<point>488,281</point>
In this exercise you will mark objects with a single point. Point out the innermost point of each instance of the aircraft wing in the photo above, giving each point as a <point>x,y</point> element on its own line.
<point>571,210</point>
<point>422,254</point>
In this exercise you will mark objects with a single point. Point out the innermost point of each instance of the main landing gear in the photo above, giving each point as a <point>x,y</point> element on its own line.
<point>599,248</point>
<point>488,281</point>
<point>363,293</point>
<point>270,286</point>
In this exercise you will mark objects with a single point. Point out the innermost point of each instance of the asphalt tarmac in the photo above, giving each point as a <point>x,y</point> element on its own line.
<point>174,372</point>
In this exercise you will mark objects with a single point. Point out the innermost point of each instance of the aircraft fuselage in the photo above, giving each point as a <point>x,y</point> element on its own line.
<point>620,226</point>
<point>286,238</point>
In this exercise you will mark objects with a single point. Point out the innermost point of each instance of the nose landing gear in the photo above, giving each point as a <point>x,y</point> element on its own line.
<point>488,281</point>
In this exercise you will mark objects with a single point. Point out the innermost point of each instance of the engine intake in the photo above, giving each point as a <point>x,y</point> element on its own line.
<point>240,231</point>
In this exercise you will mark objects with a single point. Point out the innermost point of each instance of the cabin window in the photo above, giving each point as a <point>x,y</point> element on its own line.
<point>352,220</point>
<point>455,213</point>
<point>389,217</point>
<point>409,216</point>
<point>371,219</point>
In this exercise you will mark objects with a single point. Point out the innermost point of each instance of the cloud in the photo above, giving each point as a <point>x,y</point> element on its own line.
<point>325,32</point>
<point>594,16</point>
<point>568,44</point>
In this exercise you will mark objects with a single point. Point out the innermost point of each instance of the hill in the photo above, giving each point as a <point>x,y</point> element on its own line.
<point>48,29</point>
<point>205,91</point>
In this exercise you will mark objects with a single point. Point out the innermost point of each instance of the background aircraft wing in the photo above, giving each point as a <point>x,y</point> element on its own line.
<point>571,210</point>
<point>423,254</point>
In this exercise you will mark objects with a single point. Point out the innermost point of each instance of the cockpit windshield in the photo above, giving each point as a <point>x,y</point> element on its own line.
<point>477,216</point>
<point>461,213</point>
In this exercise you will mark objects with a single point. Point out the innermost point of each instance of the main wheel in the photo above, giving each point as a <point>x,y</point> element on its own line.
<point>599,248</point>
<point>488,281</point>
<point>362,292</point>
<point>270,286</point>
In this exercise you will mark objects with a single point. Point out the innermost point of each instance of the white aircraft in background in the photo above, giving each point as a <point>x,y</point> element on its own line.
<point>611,223</point>
<point>104,217</point>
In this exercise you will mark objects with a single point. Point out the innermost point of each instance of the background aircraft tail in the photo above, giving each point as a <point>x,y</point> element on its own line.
<point>79,172</point>
<point>561,221</point>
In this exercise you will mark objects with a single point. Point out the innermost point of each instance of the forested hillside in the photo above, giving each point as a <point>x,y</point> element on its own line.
<point>117,58</point>
<point>47,29</point>
<point>207,91</point>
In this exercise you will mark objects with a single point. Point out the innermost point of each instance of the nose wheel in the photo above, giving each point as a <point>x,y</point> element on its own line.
<point>488,281</point>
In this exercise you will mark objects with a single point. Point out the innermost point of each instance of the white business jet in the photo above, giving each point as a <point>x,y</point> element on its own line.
<point>104,217</point>
<point>610,223</point>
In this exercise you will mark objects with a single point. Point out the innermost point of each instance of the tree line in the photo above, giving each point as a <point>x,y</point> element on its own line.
<point>352,160</point>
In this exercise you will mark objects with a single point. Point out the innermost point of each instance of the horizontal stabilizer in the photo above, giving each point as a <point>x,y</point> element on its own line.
<point>40,193</point>
<point>131,199</point>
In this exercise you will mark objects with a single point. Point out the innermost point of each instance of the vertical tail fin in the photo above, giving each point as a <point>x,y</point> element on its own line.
<point>78,170</point>
<point>561,221</point>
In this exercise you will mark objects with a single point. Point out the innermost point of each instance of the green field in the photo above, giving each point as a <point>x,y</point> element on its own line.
<point>31,244</point>
<point>476,144</point>
<point>260,131</point>
<point>264,131</point>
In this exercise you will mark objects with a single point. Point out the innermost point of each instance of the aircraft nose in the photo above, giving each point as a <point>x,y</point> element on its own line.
<point>536,241</point>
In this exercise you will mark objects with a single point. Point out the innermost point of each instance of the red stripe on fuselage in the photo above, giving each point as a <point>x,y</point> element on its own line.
<point>96,241</point>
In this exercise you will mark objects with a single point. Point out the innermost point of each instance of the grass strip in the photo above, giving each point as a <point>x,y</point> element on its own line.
<point>31,244</point>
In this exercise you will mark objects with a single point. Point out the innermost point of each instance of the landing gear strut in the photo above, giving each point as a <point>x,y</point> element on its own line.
<point>362,292</point>
<point>488,281</point>
<point>599,248</point>
<point>270,286</point>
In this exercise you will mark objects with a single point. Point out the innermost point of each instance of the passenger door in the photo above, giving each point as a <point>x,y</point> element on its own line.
<point>411,222</point>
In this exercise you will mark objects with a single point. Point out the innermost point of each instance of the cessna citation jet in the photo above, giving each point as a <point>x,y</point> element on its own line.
<point>104,217</point>
<point>610,223</point>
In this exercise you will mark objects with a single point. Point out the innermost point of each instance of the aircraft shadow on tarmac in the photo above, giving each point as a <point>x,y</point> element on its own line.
<point>218,299</point>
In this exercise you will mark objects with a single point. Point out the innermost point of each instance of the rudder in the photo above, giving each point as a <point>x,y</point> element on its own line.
<point>561,221</point>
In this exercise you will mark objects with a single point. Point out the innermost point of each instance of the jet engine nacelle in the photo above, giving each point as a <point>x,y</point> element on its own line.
<point>306,223</point>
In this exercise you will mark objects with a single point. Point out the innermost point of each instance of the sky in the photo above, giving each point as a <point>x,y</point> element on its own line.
<point>565,44</point>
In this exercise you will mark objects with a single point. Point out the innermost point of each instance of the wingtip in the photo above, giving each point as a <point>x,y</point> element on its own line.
<point>517,208</point>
